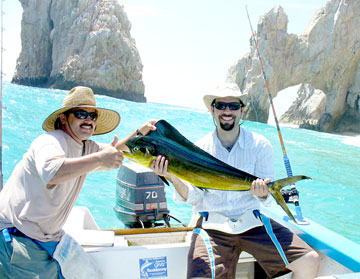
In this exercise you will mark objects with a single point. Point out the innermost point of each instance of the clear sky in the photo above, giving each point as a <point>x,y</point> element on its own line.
<point>186,46</point>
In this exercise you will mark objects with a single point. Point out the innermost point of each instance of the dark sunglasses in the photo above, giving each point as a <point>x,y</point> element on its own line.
<point>223,105</point>
<point>83,114</point>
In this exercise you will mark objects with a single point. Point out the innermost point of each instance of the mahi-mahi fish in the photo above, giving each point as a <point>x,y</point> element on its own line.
<point>190,163</point>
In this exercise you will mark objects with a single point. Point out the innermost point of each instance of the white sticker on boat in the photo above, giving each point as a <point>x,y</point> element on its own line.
<point>151,268</point>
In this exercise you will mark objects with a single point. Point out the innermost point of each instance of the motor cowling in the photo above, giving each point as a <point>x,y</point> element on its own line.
<point>140,197</point>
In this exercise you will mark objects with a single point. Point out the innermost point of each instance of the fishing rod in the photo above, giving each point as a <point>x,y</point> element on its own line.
<point>1,83</point>
<point>294,192</point>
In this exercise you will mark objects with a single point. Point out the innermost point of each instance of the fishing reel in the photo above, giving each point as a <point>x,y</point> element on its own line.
<point>290,195</point>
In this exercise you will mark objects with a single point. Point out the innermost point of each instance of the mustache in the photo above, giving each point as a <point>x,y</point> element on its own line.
<point>87,124</point>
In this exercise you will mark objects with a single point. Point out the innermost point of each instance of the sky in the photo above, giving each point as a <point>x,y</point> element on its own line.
<point>186,47</point>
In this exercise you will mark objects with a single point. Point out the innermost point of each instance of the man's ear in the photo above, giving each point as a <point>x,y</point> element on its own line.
<point>212,110</point>
<point>62,119</point>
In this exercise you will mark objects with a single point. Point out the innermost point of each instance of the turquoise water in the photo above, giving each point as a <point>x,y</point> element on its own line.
<point>333,161</point>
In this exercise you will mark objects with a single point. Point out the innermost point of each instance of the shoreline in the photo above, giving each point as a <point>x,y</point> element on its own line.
<point>348,134</point>
<point>291,125</point>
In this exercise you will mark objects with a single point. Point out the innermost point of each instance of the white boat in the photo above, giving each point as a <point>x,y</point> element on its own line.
<point>161,252</point>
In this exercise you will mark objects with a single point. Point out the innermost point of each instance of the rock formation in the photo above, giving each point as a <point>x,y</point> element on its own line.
<point>307,108</point>
<point>325,56</point>
<point>85,42</point>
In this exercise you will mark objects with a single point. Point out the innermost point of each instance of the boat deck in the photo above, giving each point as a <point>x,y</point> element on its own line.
<point>162,252</point>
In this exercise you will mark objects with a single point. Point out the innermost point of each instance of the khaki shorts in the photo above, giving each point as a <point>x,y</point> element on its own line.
<point>226,249</point>
<point>22,258</point>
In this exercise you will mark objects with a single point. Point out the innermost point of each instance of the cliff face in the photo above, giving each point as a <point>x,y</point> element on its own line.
<point>85,42</point>
<point>325,56</point>
<point>307,108</point>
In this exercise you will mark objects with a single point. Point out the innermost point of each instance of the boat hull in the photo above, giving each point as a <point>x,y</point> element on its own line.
<point>163,254</point>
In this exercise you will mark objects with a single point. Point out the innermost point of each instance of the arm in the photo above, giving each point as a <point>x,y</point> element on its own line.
<point>144,129</point>
<point>109,157</point>
<point>264,168</point>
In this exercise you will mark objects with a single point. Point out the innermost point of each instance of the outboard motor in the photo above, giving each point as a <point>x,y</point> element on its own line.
<point>140,197</point>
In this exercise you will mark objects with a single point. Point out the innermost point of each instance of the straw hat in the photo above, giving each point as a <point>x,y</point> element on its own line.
<point>224,90</point>
<point>83,97</point>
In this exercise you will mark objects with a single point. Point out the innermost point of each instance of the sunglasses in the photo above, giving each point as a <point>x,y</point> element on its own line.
<point>83,114</point>
<point>223,105</point>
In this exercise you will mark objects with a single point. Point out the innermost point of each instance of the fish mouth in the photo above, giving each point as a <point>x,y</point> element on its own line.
<point>129,152</point>
<point>129,148</point>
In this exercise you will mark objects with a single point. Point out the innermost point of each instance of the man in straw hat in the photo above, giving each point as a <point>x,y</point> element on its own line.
<point>229,222</point>
<point>44,186</point>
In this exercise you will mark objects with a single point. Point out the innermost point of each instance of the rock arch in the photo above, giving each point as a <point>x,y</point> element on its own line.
<point>325,56</point>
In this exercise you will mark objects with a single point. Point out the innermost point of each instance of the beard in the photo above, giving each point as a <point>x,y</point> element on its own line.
<point>227,127</point>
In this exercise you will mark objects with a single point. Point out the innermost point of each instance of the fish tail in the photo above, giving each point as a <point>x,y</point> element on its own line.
<point>277,185</point>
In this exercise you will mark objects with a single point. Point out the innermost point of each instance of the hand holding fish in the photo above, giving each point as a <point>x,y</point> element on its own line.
<point>147,127</point>
<point>260,188</point>
<point>160,167</point>
<point>144,129</point>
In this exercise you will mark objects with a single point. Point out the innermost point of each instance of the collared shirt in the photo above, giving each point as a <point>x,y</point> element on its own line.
<point>251,153</point>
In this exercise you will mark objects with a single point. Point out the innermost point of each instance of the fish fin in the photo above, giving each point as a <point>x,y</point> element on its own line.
<point>280,183</point>
<point>280,201</point>
<point>277,185</point>
<point>167,131</point>
<point>165,180</point>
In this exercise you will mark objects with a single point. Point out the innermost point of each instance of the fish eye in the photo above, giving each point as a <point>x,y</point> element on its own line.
<point>136,148</point>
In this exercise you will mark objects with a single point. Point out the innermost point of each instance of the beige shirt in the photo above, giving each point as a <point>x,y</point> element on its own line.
<point>26,203</point>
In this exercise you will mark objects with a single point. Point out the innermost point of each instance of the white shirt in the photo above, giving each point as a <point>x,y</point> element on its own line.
<point>251,153</point>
